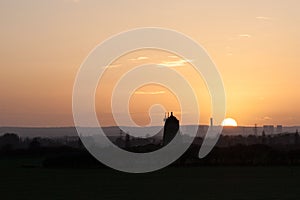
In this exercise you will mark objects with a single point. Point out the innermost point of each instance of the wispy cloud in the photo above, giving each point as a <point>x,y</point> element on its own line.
<point>173,56</point>
<point>229,51</point>
<point>266,118</point>
<point>150,93</point>
<point>112,66</point>
<point>74,1</point>
<point>263,18</point>
<point>245,35</point>
<point>176,63</point>
<point>240,36</point>
<point>139,58</point>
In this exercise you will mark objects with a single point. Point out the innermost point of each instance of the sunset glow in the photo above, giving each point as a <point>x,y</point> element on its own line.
<point>229,122</point>
<point>254,45</point>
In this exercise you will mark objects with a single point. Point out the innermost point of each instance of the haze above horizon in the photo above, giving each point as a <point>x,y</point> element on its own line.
<point>253,43</point>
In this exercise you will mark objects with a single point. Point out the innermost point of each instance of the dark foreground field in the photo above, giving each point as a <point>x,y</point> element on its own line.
<point>22,178</point>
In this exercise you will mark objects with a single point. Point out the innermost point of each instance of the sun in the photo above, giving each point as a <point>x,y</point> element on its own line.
<point>229,122</point>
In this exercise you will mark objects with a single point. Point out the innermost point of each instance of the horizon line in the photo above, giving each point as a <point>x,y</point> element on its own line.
<point>113,126</point>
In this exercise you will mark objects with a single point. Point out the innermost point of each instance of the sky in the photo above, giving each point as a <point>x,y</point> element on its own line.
<point>253,43</point>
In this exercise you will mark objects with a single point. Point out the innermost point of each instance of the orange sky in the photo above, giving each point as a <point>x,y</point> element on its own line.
<point>253,43</point>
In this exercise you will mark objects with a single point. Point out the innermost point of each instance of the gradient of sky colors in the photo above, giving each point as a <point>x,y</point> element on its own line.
<point>255,45</point>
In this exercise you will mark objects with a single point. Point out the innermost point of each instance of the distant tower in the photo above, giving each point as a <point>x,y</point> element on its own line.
<point>165,117</point>
<point>296,137</point>
<point>211,122</point>
<point>263,137</point>
<point>170,129</point>
<point>255,130</point>
<point>127,141</point>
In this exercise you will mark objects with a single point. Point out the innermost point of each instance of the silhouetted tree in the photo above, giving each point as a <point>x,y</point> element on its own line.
<point>35,143</point>
<point>10,140</point>
<point>263,137</point>
<point>80,144</point>
<point>127,141</point>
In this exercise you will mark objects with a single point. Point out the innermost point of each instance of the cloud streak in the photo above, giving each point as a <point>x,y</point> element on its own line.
<point>267,118</point>
<point>263,18</point>
<point>245,35</point>
<point>112,66</point>
<point>139,58</point>
<point>172,56</point>
<point>150,93</point>
<point>176,63</point>
<point>73,1</point>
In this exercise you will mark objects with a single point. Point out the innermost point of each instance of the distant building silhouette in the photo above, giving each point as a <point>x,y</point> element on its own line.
<point>269,129</point>
<point>279,129</point>
<point>170,129</point>
<point>124,140</point>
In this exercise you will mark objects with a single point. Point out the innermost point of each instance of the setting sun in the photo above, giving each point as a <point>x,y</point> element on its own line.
<point>229,122</point>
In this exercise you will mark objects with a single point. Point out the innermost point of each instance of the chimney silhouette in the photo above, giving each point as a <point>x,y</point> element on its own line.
<point>211,122</point>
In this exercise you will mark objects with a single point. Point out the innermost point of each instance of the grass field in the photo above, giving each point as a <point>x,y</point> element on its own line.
<point>19,182</point>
